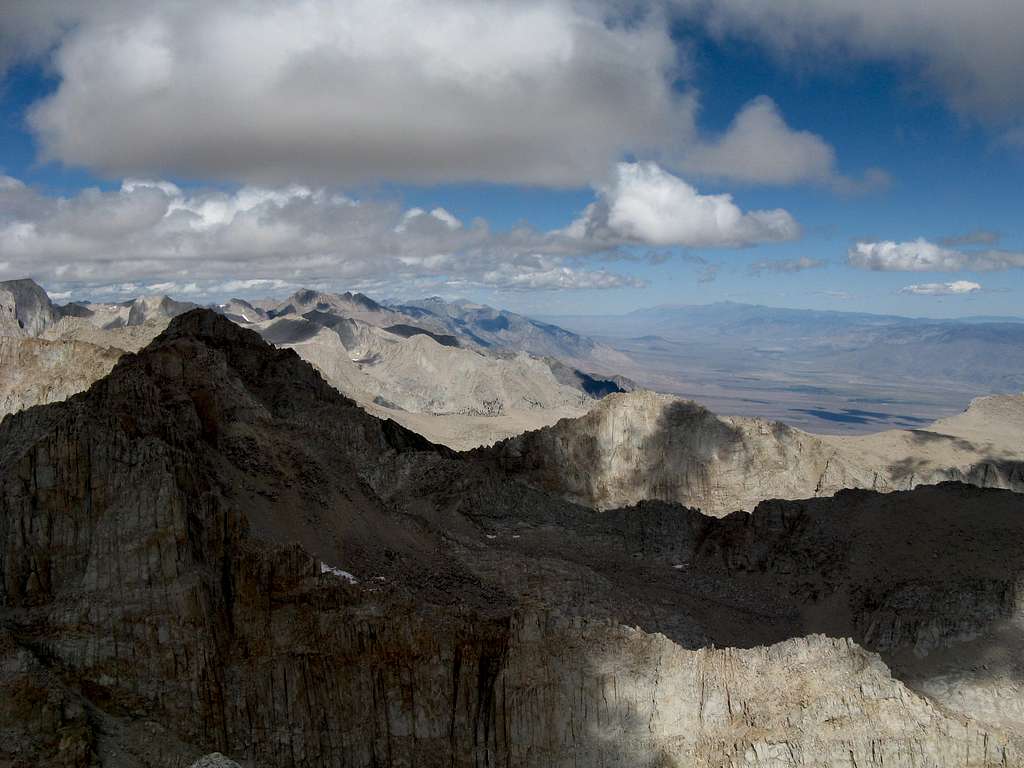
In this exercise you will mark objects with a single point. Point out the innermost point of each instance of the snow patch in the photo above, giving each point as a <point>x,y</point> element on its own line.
<point>325,568</point>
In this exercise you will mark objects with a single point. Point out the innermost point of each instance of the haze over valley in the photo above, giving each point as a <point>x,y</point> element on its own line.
<point>828,372</point>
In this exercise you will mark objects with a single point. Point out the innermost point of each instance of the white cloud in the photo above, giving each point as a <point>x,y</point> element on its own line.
<point>262,284</point>
<point>760,147</point>
<point>545,92</point>
<point>957,287</point>
<point>178,289</point>
<point>549,276</point>
<point>415,216</point>
<point>645,204</point>
<point>969,51</point>
<point>540,92</point>
<point>924,256</point>
<point>152,237</point>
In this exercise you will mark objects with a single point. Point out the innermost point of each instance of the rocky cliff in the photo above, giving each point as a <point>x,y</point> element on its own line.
<point>643,445</point>
<point>25,309</point>
<point>38,371</point>
<point>213,550</point>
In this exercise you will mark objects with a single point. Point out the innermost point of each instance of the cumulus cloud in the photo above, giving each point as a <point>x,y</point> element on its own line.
<point>152,237</point>
<point>760,147</point>
<point>970,52</point>
<point>269,92</point>
<point>332,92</point>
<point>957,287</point>
<point>924,256</point>
<point>645,204</point>
<point>785,266</point>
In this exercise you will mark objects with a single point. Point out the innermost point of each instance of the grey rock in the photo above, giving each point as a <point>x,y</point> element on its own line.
<point>215,760</point>
<point>149,308</point>
<point>39,371</point>
<point>643,445</point>
<point>25,309</point>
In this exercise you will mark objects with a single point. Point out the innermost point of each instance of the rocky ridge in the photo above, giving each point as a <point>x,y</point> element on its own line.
<point>213,550</point>
<point>444,386</point>
<point>643,445</point>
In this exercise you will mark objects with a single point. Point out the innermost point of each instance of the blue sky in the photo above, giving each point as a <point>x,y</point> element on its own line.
<point>364,170</point>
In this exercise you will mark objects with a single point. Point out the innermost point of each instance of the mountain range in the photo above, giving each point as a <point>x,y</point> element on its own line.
<point>213,549</point>
<point>464,375</point>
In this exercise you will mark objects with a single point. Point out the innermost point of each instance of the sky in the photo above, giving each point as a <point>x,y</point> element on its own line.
<point>546,156</point>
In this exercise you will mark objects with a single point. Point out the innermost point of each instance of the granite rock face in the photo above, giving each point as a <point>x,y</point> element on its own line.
<point>642,445</point>
<point>39,371</point>
<point>25,309</point>
<point>212,550</point>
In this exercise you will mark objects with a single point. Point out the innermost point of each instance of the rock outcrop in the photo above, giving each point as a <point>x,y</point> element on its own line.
<point>25,309</point>
<point>147,309</point>
<point>39,371</point>
<point>643,445</point>
<point>212,550</point>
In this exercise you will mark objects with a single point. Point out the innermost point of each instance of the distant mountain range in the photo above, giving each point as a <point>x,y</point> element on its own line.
<point>477,374</point>
<point>460,374</point>
<point>754,321</point>
<point>457,323</point>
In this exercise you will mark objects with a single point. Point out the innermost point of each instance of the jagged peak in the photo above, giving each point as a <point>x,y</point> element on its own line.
<point>26,306</point>
<point>303,296</point>
<point>208,325</point>
<point>22,283</point>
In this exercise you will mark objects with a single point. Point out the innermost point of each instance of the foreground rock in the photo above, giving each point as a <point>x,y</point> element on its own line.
<point>212,550</point>
<point>642,445</point>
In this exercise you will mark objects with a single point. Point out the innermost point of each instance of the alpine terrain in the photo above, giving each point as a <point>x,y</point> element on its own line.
<point>211,549</point>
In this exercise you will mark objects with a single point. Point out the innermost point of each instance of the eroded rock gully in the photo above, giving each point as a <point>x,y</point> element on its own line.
<point>212,550</point>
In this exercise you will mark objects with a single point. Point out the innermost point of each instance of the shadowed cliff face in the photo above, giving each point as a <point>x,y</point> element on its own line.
<point>211,549</point>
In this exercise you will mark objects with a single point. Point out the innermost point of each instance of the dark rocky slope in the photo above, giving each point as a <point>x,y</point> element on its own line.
<point>211,549</point>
